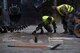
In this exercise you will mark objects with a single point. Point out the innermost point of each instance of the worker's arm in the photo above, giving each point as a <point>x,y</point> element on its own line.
<point>38,27</point>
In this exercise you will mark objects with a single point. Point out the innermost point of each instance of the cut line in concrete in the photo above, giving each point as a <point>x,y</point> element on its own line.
<point>36,46</point>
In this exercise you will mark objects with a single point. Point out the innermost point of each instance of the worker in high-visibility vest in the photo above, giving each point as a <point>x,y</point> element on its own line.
<point>46,21</point>
<point>65,11</point>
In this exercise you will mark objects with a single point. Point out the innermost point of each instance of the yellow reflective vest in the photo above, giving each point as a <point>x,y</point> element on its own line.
<point>68,7</point>
<point>44,19</point>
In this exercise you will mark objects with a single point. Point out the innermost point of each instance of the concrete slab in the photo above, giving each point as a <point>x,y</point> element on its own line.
<point>70,44</point>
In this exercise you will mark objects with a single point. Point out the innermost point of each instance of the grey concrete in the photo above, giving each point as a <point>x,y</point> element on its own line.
<point>70,44</point>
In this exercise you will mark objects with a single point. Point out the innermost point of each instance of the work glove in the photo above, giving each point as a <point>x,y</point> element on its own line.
<point>34,32</point>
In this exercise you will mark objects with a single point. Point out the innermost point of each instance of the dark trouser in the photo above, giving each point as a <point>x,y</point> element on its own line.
<point>64,22</point>
<point>71,24</point>
<point>71,29</point>
<point>47,27</point>
<point>67,22</point>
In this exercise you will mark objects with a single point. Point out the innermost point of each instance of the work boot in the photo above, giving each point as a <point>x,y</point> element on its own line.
<point>54,31</point>
<point>71,33</point>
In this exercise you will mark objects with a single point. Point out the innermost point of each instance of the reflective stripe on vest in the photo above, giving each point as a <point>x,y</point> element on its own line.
<point>69,8</point>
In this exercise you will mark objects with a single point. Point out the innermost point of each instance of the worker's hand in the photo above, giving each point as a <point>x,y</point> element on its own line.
<point>34,32</point>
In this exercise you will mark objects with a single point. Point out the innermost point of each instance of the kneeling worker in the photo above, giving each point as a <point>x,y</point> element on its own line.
<point>46,21</point>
